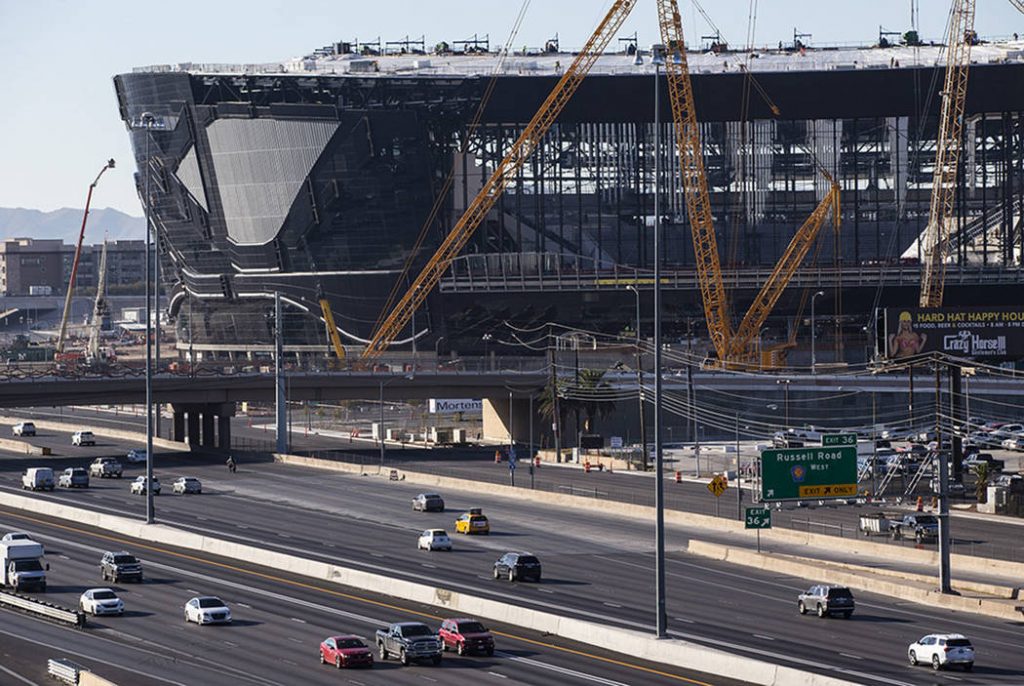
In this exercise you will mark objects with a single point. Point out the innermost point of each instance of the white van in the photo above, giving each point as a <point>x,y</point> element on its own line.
<point>38,479</point>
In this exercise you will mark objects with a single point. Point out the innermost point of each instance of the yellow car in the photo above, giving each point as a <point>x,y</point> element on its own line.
<point>472,524</point>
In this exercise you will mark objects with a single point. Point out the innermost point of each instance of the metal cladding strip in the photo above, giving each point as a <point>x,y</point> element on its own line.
<point>642,646</point>
<point>42,608</point>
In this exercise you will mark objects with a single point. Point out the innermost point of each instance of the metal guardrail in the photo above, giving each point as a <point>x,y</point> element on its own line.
<point>42,608</point>
<point>63,670</point>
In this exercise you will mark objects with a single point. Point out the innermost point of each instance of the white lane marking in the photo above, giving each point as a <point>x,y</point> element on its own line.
<point>565,671</point>
<point>684,620</point>
<point>241,526</point>
<point>500,676</point>
<point>17,676</point>
<point>612,604</point>
<point>192,591</point>
<point>852,657</point>
<point>295,640</point>
<point>763,637</point>
<point>546,590</point>
<point>202,518</point>
<point>300,621</point>
<point>953,678</point>
<point>284,535</point>
<point>427,678</point>
<point>248,607</point>
<point>373,622</point>
<point>64,557</point>
<point>229,644</point>
<point>428,565</point>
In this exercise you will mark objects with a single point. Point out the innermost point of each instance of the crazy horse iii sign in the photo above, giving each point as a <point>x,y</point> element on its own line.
<point>990,333</point>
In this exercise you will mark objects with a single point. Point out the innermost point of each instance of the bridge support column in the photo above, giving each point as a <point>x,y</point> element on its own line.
<point>224,432</point>
<point>179,425</point>
<point>193,429</point>
<point>209,440</point>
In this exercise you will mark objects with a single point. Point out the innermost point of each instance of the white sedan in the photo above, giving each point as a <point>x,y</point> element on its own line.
<point>207,609</point>
<point>101,601</point>
<point>138,486</point>
<point>434,539</point>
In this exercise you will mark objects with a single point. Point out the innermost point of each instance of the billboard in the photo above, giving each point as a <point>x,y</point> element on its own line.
<point>991,333</point>
<point>453,405</point>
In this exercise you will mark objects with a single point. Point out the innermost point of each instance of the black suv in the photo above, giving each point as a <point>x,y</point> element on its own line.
<point>115,567</point>
<point>826,600</point>
<point>517,567</point>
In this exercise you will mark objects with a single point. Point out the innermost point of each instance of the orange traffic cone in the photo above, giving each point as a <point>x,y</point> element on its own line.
<point>586,466</point>
<point>536,461</point>
<point>920,504</point>
<point>679,477</point>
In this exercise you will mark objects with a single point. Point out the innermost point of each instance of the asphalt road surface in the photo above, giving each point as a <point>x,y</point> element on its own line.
<point>279,621</point>
<point>596,567</point>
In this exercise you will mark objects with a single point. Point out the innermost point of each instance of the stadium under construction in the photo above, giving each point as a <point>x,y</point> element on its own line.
<point>314,177</point>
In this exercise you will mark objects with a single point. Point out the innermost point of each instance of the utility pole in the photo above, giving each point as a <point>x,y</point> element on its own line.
<point>640,380</point>
<point>945,581</point>
<point>691,393</point>
<point>279,381</point>
<point>661,627</point>
<point>554,401</point>
<point>739,484</point>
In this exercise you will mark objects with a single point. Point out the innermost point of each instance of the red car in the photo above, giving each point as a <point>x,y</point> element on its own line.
<point>466,636</point>
<point>345,651</point>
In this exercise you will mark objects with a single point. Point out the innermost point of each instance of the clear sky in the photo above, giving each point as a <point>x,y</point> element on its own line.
<point>59,120</point>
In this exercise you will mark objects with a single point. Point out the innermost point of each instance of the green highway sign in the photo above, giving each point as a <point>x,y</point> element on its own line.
<point>833,440</point>
<point>759,518</point>
<point>808,473</point>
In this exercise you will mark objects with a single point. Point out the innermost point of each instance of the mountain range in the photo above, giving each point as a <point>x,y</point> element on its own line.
<point>65,223</point>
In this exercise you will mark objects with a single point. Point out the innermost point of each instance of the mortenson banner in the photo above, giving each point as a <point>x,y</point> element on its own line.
<point>991,333</point>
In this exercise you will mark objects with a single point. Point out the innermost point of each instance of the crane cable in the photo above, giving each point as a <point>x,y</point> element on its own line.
<point>439,198</point>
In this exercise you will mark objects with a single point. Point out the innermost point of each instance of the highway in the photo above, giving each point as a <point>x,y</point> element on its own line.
<point>973,537</point>
<point>595,567</point>
<point>279,621</point>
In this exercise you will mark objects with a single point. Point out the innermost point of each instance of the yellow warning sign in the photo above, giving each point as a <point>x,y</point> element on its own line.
<point>831,491</point>
<point>718,485</point>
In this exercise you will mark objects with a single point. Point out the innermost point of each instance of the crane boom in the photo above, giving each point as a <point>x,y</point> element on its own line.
<point>521,150</point>
<point>695,185</point>
<point>780,277</point>
<point>947,152</point>
<point>1019,4</point>
<point>332,328</point>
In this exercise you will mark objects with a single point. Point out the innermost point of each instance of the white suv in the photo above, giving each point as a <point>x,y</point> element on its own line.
<point>83,438</point>
<point>941,650</point>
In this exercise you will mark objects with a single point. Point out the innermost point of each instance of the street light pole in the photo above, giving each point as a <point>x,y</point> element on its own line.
<point>659,467</point>
<point>380,427</point>
<point>640,379</point>
<point>814,358</point>
<point>147,120</point>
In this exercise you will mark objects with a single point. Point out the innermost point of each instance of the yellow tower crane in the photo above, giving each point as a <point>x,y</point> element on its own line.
<point>948,146</point>
<point>506,170</point>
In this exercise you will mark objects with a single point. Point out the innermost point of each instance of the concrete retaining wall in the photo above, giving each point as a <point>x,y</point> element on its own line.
<point>642,646</point>
<point>86,678</point>
<point>908,588</point>
<point>99,431</point>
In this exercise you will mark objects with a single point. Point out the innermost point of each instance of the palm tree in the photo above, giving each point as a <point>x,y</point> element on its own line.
<point>591,387</point>
<point>981,485</point>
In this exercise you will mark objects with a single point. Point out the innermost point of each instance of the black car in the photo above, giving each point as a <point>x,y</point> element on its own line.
<point>120,566</point>
<point>517,567</point>
<point>826,600</point>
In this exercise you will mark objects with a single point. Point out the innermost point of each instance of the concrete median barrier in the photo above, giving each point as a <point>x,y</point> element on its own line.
<point>852,546</point>
<point>22,447</point>
<point>634,643</point>
<point>915,588</point>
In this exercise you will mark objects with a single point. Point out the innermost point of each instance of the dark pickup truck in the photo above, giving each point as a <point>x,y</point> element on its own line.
<point>917,526</point>
<point>409,641</point>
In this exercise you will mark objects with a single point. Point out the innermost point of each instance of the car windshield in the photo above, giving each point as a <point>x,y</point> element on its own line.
<point>350,643</point>
<point>27,565</point>
<point>958,643</point>
<point>927,519</point>
<point>124,560</point>
<point>18,537</point>
<point>528,560</point>
<point>839,593</point>
<point>416,630</point>
<point>432,496</point>
<point>472,628</point>
<point>78,472</point>
<point>210,602</point>
<point>104,595</point>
